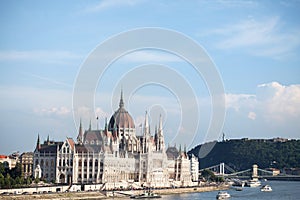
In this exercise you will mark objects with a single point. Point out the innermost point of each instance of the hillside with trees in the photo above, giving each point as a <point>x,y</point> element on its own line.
<point>242,154</point>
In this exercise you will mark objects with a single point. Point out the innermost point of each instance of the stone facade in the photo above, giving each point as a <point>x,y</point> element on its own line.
<point>114,155</point>
<point>26,160</point>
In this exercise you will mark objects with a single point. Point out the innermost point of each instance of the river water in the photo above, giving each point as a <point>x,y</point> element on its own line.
<point>282,190</point>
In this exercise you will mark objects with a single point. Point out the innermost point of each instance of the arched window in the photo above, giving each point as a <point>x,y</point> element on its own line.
<point>91,162</point>
<point>42,163</point>
<point>79,163</point>
<point>96,163</point>
<point>46,163</point>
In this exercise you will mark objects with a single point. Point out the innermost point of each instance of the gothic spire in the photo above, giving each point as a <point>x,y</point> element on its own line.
<point>38,145</point>
<point>121,104</point>
<point>146,124</point>
<point>90,127</point>
<point>160,123</point>
<point>106,123</point>
<point>80,133</point>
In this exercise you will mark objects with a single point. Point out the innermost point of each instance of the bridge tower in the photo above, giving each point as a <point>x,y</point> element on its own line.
<point>222,169</point>
<point>254,172</point>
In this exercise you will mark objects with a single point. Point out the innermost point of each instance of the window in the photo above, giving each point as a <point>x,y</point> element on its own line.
<point>96,163</point>
<point>85,163</point>
<point>79,163</point>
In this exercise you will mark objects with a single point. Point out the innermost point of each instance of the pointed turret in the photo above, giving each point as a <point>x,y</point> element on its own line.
<point>160,127</point>
<point>38,144</point>
<point>106,128</point>
<point>80,134</point>
<point>90,126</point>
<point>121,104</point>
<point>161,135</point>
<point>48,140</point>
<point>146,125</point>
<point>156,139</point>
<point>180,149</point>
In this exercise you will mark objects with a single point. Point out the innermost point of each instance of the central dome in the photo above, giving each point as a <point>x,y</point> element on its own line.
<point>121,119</point>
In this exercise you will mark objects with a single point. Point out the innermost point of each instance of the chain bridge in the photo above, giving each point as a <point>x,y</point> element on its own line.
<point>225,171</point>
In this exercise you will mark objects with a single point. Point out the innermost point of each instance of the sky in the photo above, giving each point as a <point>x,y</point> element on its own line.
<point>254,45</point>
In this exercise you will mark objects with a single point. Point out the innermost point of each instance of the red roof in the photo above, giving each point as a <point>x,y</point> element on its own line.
<point>71,142</point>
<point>3,156</point>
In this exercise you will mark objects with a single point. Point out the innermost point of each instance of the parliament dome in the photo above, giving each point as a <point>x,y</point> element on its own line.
<point>121,119</point>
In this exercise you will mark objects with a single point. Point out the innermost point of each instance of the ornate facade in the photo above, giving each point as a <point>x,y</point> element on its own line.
<point>115,155</point>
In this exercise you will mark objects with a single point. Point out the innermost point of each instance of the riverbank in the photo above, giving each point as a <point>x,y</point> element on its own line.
<point>110,194</point>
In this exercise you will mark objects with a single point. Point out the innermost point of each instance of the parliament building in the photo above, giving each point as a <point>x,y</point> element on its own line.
<point>116,157</point>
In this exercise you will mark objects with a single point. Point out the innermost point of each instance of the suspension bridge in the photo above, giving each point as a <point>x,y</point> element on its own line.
<point>226,171</point>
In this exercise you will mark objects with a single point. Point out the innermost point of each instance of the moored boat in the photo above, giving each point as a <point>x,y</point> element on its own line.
<point>266,188</point>
<point>253,183</point>
<point>223,195</point>
<point>238,188</point>
<point>146,195</point>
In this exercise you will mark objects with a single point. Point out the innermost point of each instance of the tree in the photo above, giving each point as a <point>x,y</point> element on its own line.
<point>7,181</point>
<point>208,175</point>
<point>1,181</point>
<point>2,168</point>
<point>28,181</point>
<point>16,171</point>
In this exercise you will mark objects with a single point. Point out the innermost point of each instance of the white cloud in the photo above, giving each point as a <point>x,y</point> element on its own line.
<point>57,111</point>
<point>102,114</point>
<point>252,115</point>
<point>45,56</point>
<point>236,101</point>
<point>280,102</point>
<point>148,56</point>
<point>107,4</point>
<point>273,101</point>
<point>266,37</point>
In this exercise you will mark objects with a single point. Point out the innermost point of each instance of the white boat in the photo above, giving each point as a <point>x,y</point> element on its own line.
<point>266,188</point>
<point>146,195</point>
<point>223,195</point>
<point>253,183</point>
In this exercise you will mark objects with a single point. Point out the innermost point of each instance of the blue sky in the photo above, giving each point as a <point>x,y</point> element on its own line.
<point>255,46</point>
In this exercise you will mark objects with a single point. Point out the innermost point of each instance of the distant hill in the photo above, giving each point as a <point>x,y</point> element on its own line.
<point>243,153</point>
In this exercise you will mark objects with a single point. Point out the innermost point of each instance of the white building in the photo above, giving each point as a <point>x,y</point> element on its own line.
<point>114,155</point>
<point>194,168</point>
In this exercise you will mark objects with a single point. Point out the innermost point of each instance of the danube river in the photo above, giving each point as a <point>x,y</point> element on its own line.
<point>281,190</point>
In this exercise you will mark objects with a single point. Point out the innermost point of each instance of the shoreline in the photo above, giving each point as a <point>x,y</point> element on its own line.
<point>114,194</point>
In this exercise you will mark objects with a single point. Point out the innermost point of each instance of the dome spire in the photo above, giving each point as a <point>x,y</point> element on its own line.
<point>121,104</point>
